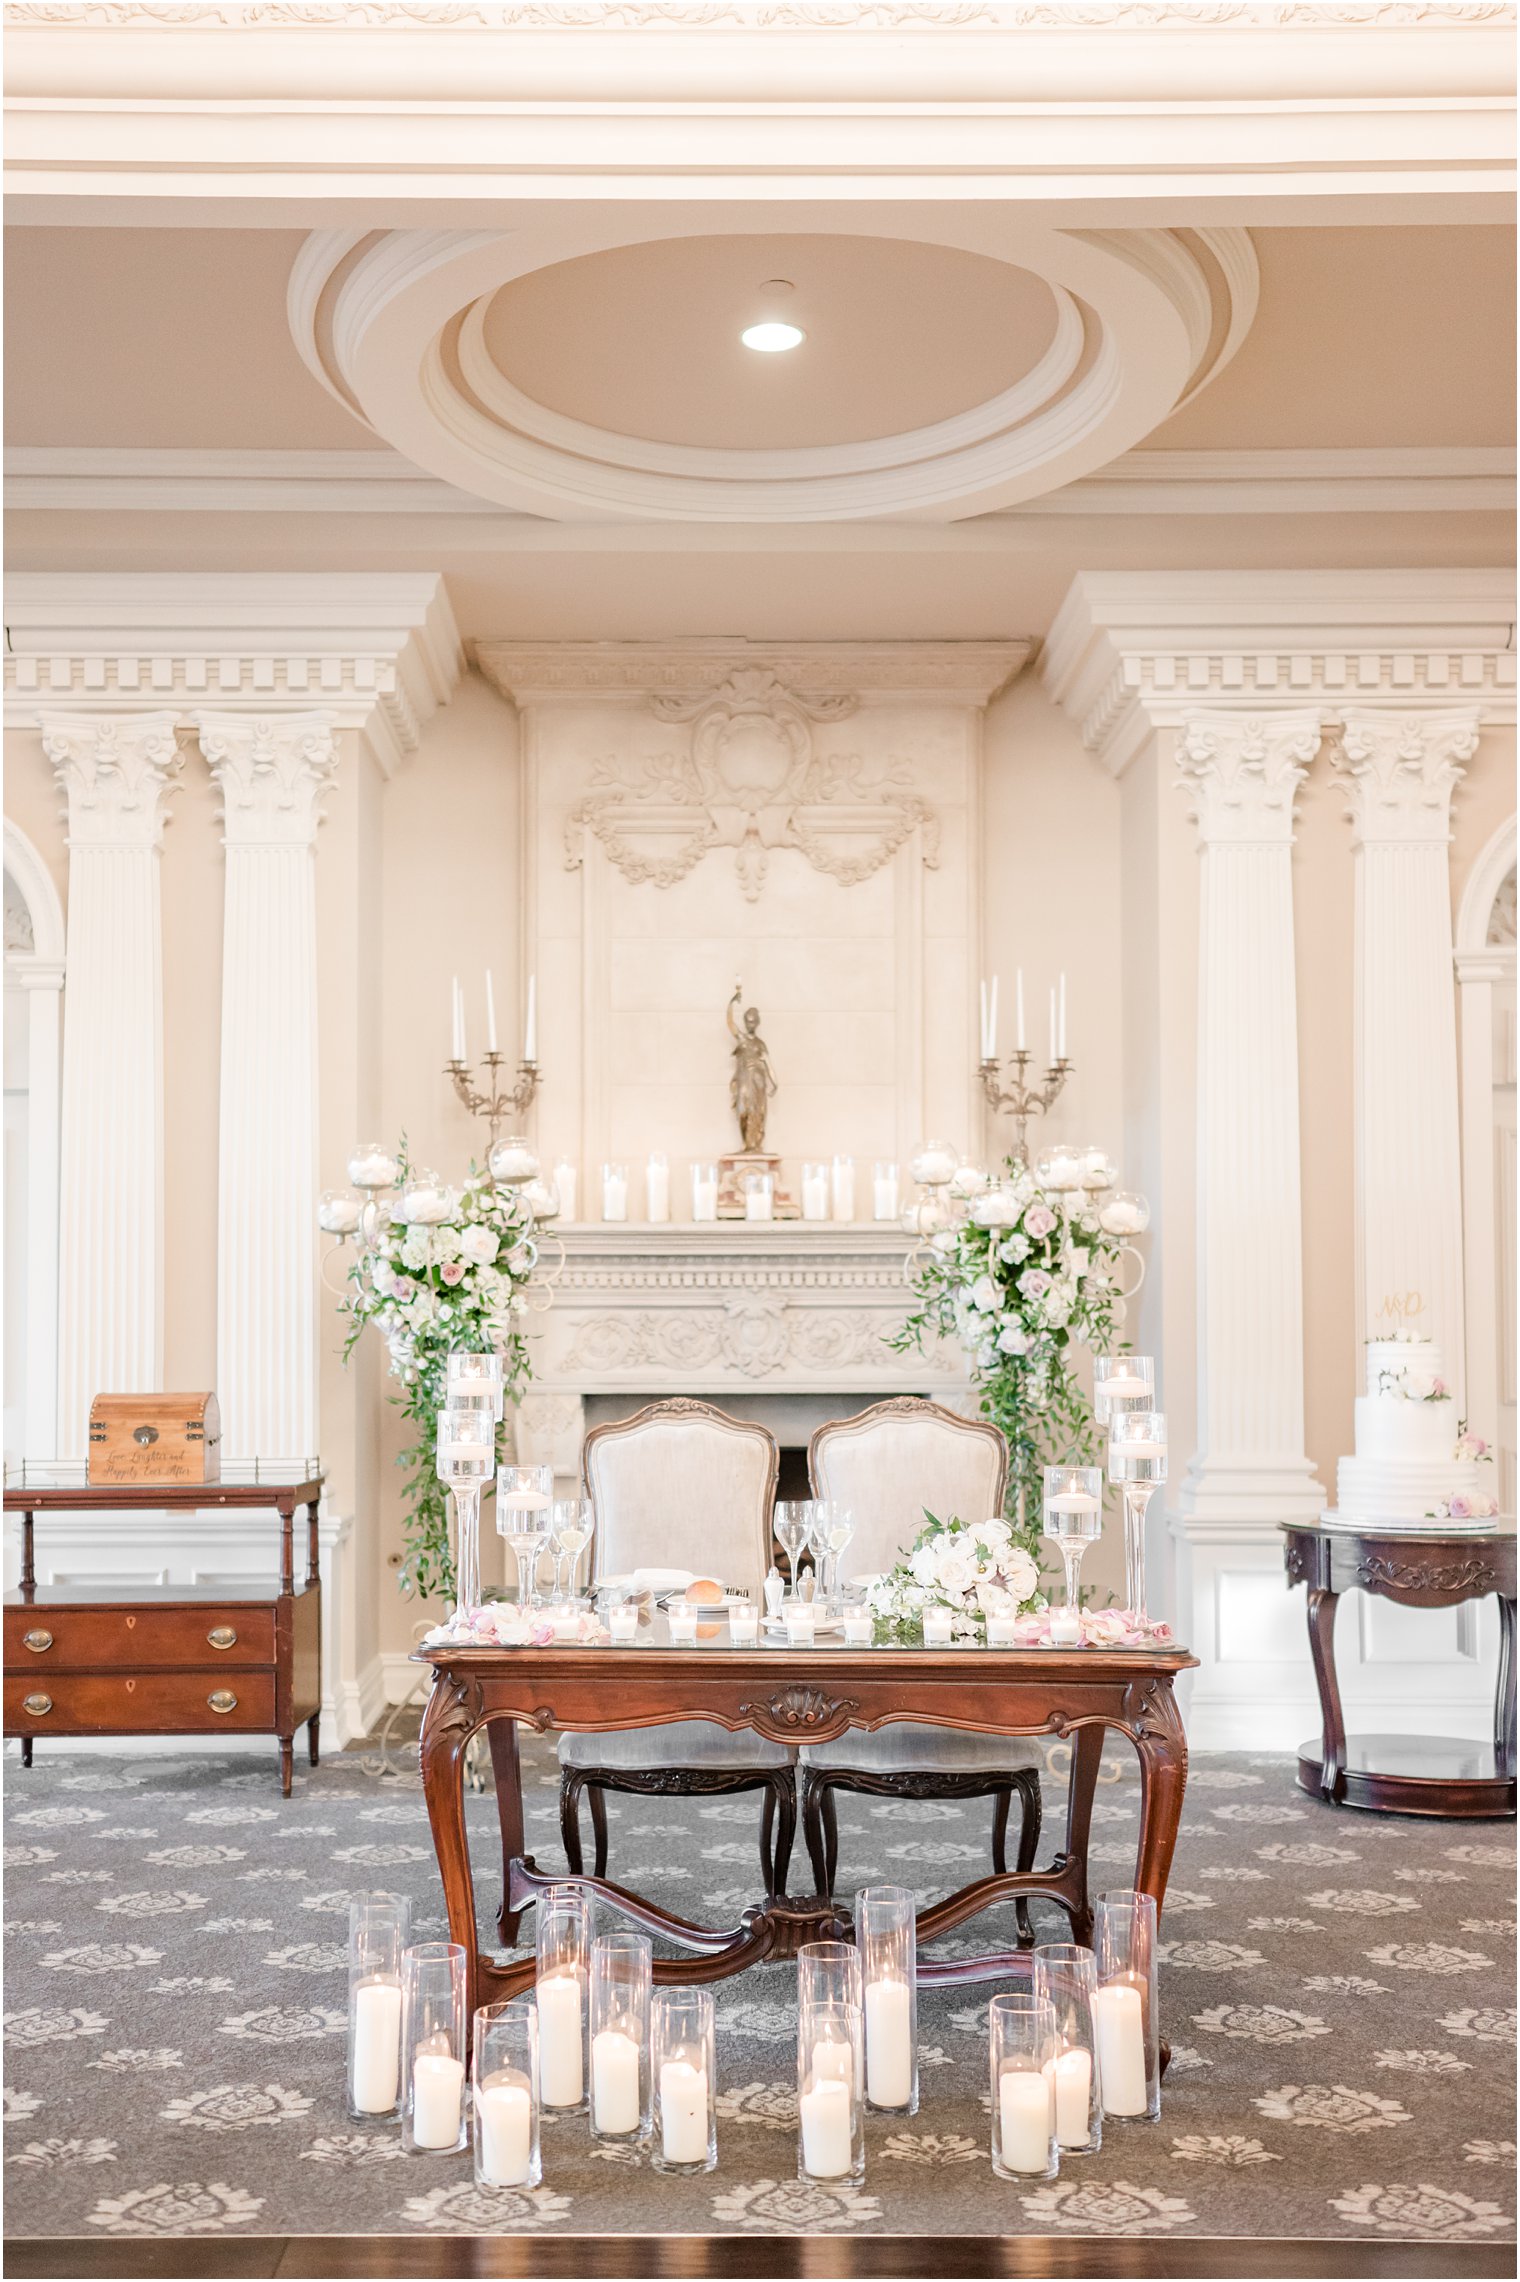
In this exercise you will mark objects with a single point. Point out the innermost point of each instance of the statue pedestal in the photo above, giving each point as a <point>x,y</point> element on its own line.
<point>731,1172</point>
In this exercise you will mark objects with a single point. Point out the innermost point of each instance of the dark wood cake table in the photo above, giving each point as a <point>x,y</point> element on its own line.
<point>794,1696</point>
<point>167,1659</point>
<point>1434,1568</point>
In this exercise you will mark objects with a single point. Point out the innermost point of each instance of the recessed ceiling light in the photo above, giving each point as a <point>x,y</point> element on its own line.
<point>772,335</point>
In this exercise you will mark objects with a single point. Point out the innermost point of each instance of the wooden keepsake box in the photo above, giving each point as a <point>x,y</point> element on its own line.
<point>154,1438</point>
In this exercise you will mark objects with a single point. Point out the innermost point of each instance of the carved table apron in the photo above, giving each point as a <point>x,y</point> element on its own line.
<point>1434,1568</point>
<point>795,1697</point>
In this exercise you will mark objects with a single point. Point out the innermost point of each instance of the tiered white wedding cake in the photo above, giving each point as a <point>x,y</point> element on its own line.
<point>1410,1463</point>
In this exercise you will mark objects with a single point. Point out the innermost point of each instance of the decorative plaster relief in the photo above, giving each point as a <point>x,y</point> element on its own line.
<point>751,782</point>
<point>749,1335</point>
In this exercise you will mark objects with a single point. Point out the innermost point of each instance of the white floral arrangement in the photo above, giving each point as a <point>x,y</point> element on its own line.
<point>1467,1505</point>
<point>974,1569</point>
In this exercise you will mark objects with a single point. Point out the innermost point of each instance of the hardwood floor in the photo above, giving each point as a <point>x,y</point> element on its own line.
<point>571,2258</point>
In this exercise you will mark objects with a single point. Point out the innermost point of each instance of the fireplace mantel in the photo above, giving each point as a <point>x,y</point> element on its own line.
<point>734,1308</point>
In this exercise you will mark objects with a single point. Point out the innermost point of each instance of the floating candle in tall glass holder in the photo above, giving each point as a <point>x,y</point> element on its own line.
<point>433,2118</point>
<point>684,2076</point>
<point>1021,2043</point>
<point>1120,1383</point>
<point>524,1499</point>
<point>1065,1975</point>
<point>572,1525</point>
<point>466,1456</point>
<point>561,1989</point>
<point>621,1974</point>
<point>1127,2032</point>
<point>830,2063</point>
<point>886,1935</point>
<point>1073,1521</point>
<point>1137,1462</point>
<point>378,1927</point>
<point>505,2088</point>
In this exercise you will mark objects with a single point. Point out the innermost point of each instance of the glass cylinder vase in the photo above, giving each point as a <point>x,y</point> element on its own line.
<point>621,1973</point>
<point>1021,2045</point>
<point>1066,1977</point>
<point>1126,2023</point>
<point>830,2063</point>
<point>684,2075</point>
<point>378,1927</point>
<point>563,1982</point>
<point>433,2116</point>
<point>504,2080</point>
<point>886,1935</point>
<point>1137,1462</point>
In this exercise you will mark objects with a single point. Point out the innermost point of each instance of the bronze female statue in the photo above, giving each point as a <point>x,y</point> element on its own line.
<point>753,1080</point>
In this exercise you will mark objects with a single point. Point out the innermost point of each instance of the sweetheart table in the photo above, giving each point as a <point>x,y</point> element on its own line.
<point>794,1696</point>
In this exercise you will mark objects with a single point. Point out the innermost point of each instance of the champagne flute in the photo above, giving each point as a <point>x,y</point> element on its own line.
<point>574,1520</point>
<point>524,1495</point>
<point>794,1522</point>
<point>1073,1518</point>
<point>1137,1462</point>
<point>833,1527</point>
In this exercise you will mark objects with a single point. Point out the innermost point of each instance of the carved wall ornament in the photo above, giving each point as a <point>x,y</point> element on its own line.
<point>1501,919</point>
<point>749,1334</point>
<point>19,933</point>
<point>751,781</point>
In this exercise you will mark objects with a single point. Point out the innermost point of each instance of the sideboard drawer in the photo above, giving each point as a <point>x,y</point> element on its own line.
<point>173,1635</point>
<point>137,1703</point>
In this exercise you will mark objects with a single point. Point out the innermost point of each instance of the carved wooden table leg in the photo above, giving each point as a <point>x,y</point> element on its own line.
<point>1086,1755</point>
<point>1322,1607</point>
<point>502,1735</point>
<point>448,1721</point>
<point>1161,1741</point>
<point>1504,1694</point>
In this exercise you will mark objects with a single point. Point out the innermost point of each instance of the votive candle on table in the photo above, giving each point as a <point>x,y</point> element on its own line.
<point>830,2063</point>
<point>505,2077</point>
<point>939,1628</point>
<point>859,1625</point>
<point>621,1965</point>
<point>563,1967</point>
<point>887,1938</point>
<point>684,2073</point>
<point>1126,2030</point>
<point>682,1619</point>
<point>815,1191</point>
<point>432,2048</point>
<point>1021,2040</point>
<point>567,1183</point>
<point>801,1623</point>
<point>843,1187</point>
<point>1002,1632</point>
<point>378,1926</point>
<point>657,1187</point>
<point>1066,1628</point>
<point>614,1192</point>
<point>743,1626</point>
<point>883,1192</point>
<point>704,1192</point>
<point>623,1621</point>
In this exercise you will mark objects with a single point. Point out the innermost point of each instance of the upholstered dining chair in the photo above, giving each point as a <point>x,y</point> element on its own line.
<point>890,1465</point>
<point>681,1485</point>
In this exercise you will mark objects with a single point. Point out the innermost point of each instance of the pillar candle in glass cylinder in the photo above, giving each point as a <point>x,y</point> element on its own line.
<point>378,1926</point>
<point>1021,2040</point>
<point>830,2063</point>
<point>567,1182</point>
<point>1126,2030</point>
<point>815,1191</point>
<point>1065,1975</point>
<point>504,2083</point>
<point>621,1967</point>
<point>684,2073</point>
<point>883,1192</point>
<point>886,1934</point>
<point>657,1186</point>
<point>433,2048</point>
<point>704,1192</point>
<point>563,1976</point>
<point>614,1192</point>
<point>759,1196</point>
<point>843,1185</point>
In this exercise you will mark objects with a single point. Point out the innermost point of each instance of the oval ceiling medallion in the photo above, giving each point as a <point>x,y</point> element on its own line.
<point>591,372</point>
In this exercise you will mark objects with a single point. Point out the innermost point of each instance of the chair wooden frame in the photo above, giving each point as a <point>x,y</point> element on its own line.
<point>778,1819</point>
<point>820,1783</point>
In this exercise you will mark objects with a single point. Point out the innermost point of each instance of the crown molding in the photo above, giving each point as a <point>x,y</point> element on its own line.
<point>956,673</point>
<point>376,651</point>
<point>1133,651</point>
<point>113,480</point>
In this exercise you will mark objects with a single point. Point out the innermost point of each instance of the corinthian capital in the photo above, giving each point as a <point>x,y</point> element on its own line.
<point>115,769</point>
<point>1240,772</point>
<point>1398,770</point>
<point>272,774</point>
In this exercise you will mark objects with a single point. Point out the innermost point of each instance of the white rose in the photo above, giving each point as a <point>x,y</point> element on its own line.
<point>479,1243</point>
<point>924,1563</point>
<point>955,1573</point>
<point>1012,1339</point>
<point>1019,1574</point>
<point>984,1294</point>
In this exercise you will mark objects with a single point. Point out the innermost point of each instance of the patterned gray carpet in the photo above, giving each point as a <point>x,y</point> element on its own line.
<point>1338,1991</point>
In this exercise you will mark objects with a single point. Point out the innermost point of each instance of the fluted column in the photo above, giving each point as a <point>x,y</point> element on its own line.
<point>1399,770</point>
<point>1240,774</point>
<point>115,771</point>
<point>272,775</point>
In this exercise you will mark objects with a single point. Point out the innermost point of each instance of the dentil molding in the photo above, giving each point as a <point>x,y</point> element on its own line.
<point>688,672</point>
<point>1399,772</point>
<point>377,651</point>
<point>117,774</point>
<point>273,773</point>
<point>1240,772</point>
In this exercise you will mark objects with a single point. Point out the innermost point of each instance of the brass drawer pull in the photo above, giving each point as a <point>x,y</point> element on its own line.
<point>37,1707</point>
<point>222,1700</point>
<point>222,1636</point>
<point>38,1642</point>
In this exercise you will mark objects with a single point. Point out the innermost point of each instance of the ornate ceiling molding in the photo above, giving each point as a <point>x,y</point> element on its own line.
<point>393,326</point>
<point>751,16</point>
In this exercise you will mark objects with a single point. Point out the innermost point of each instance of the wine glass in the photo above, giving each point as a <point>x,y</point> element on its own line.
<point>1073,1517</point>
<point>572,1523</point>
<point>466,1452</point>
<point>524,1496</point>
<point>1137,1462</point>
<point>832,1528</point>
<point>794,1523</point>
